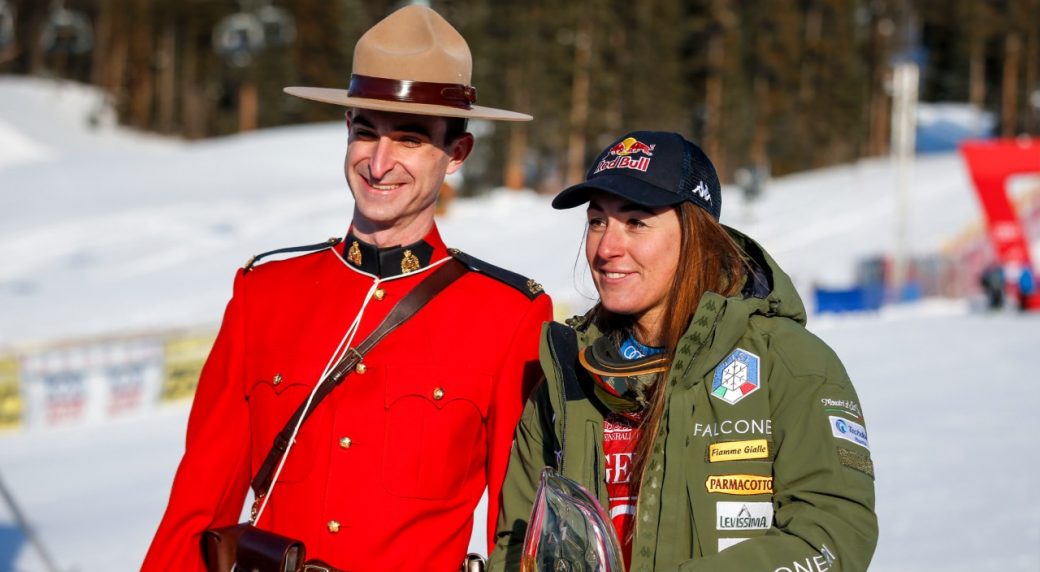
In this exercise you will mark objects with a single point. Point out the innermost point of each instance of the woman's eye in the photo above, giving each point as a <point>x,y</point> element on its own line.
<point>596,222</point>
<point>637,223</point>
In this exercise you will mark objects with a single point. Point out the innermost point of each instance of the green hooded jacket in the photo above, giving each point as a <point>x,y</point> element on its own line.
<point>762,462</point>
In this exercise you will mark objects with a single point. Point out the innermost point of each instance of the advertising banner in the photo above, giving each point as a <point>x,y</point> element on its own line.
<point>91,381</point>
<point>10,393</point>
<point>185,356</point>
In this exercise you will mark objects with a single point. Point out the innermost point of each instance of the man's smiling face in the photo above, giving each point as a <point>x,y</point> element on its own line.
<point>395,166</point>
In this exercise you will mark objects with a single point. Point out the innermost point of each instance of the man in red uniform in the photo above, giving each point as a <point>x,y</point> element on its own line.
<point>386,472</point>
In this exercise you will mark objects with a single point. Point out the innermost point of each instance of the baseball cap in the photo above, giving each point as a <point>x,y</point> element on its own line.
<point>650,168</point>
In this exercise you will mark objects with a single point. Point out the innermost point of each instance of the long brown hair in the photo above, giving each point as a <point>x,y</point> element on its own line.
<point>709,261</point>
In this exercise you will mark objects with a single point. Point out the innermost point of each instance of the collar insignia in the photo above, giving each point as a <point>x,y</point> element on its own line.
<point>389,261</point>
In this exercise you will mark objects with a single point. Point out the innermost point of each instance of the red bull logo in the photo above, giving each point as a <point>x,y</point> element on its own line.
<point>631,146</point>
<point>622,156</point>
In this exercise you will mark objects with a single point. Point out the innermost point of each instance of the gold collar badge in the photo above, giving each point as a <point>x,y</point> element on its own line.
<point>409,263</point>
<point>354,254</point>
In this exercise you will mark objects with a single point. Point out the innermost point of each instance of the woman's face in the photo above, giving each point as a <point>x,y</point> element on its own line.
<point>633,252</point>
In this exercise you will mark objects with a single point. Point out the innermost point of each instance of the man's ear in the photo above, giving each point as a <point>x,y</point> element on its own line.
<point>460,149</point>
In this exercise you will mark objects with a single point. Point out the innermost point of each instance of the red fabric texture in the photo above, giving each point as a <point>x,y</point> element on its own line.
<point>620,435</point>
<point>430,422</point>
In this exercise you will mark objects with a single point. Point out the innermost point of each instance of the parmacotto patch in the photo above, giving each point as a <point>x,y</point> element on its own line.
<point>739,484</point>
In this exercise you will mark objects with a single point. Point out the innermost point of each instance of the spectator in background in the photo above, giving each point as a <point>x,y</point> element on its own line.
<point>992,282</point>
<point>1026,288</point>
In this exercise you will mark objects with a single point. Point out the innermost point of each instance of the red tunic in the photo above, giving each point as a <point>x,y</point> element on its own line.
<point>386,473</point>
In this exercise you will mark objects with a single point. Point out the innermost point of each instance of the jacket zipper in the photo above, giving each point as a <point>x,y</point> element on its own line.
<point>563,401</point>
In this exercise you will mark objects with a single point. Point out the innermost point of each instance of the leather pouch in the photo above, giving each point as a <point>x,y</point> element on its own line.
<point>245,547</point>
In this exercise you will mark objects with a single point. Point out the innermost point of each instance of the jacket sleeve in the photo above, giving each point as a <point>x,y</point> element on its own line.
<point>519,374</point>
<point>823,479</point>
<point>211,481</point>
<point>532,451</point>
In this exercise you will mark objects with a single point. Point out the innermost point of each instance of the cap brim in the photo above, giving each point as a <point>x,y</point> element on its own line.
<point>634,190</point>
<point>340,97</point>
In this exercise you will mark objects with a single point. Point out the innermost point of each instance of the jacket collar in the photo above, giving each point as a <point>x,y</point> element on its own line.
<point>390,261</point>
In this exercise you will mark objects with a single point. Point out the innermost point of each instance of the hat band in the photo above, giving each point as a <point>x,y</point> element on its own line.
<point>406,91</point>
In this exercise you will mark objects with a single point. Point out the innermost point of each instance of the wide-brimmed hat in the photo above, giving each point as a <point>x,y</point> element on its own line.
<point>650,168</point>
<point>412,61</point>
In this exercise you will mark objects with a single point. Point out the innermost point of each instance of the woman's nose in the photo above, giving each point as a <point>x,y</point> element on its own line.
<point>612,242</point>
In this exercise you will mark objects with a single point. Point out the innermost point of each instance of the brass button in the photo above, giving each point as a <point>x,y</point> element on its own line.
<point>438,393</point>
<point>333,526</point>
<point>380,293</point>
<point>345,442</point>
<point>277,378</point>
<point>360,368</point>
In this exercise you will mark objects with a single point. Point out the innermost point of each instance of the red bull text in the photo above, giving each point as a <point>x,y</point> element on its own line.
<point>621,156</point>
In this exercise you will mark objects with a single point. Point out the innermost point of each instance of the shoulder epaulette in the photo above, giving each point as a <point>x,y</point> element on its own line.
<point>576,322</point>
<point>306,248</point>
<point>525,285</point>
<point>580,322</point>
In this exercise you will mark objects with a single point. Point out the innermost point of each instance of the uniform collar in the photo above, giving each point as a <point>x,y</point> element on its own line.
<point>391,261</point>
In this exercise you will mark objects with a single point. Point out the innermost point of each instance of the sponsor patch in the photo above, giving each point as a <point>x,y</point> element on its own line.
<point>846,406</point>
<point>822,562</point>
<point>854,460</point>
<point>743,515</point>
<point>625,155</point>
<point>850,431</point>
<point>736,377</point>
<point>725,543</point>
<point>739,484</point>
<point>738,450</point>
<point>731,427</point>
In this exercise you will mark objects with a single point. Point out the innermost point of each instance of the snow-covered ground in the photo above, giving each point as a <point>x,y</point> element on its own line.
<point>104,231</point>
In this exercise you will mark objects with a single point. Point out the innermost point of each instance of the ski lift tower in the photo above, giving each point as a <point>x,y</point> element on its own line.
<point>904,124</point>
<point>7,35</point>
<point>66,32</point>
<point>240,36</point>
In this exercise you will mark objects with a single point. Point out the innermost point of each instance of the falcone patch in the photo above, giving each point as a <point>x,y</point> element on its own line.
<point>736,377</point>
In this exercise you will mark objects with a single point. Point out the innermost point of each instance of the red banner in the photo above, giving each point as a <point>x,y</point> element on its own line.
<point>991,163</point>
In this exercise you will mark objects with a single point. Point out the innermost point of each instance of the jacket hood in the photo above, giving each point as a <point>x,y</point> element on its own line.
<point>768,282</point>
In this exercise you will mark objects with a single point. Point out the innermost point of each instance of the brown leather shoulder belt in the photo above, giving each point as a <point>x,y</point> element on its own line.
<point>432,285</point>
<point>255,549</point>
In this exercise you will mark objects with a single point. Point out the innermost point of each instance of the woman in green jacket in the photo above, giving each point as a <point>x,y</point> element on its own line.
<point>718,432</point>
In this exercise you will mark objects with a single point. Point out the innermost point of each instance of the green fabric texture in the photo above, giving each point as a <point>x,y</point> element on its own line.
<point>700,472</point>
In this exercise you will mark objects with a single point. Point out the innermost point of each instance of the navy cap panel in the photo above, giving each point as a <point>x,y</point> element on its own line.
<point>651,168</point>
<point>630,189</point>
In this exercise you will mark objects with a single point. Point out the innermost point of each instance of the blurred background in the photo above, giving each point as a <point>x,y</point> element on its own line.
<point>885,152</point>
<point>786,85</point>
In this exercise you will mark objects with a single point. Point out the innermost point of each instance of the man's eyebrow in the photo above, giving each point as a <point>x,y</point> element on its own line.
<point>416,128</point>
<point>363,121</point>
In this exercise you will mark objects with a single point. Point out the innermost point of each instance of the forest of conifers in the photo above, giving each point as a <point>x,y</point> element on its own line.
<point>784,84</point>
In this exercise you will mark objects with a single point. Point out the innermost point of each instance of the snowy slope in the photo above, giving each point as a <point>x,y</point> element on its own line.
<point>103,230</point>
<point>91,221</point>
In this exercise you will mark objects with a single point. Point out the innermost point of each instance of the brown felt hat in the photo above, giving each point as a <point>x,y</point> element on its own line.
<point>412,61</point>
